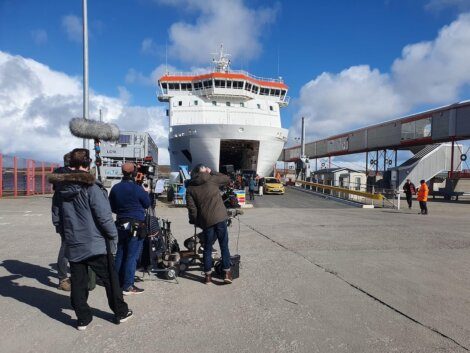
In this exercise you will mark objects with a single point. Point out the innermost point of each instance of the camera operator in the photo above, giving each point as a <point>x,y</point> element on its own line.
<point>207,211</point>
<point>129,202</point>
<point>85,219</point>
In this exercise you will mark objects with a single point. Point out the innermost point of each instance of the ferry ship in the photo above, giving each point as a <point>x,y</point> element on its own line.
<point>224,118</point>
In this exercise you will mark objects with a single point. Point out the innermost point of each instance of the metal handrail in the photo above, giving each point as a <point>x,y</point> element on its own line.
<point>369,195</point>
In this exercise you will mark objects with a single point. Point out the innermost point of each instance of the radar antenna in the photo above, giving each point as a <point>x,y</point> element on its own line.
<point>221,61</point>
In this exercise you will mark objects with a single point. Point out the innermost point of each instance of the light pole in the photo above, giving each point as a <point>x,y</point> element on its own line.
<point>85,66</point>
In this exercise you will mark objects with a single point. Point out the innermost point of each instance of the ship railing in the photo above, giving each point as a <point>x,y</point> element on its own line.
<point>242,72</point>
<point>285,100</point>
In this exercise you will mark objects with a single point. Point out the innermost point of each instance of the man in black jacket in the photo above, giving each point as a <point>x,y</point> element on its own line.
<point>409,189</point>
<point>62,261</point>
<point>207,211</point>
<point>81,211</point>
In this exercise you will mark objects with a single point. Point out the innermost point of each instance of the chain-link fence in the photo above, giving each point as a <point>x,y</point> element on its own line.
<point>24,177</point>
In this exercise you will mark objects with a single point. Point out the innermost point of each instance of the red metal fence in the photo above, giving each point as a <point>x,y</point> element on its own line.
<point>24,177</point>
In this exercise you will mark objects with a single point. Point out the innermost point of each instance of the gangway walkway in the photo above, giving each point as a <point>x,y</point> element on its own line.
<point>426,164</point>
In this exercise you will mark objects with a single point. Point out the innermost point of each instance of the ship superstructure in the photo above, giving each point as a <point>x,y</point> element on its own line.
<point>224,117</point>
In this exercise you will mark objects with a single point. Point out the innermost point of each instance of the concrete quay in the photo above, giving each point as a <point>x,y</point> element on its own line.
<point>316,276</point>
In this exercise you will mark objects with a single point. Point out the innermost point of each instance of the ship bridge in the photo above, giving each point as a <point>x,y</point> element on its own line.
<point>239,84</point>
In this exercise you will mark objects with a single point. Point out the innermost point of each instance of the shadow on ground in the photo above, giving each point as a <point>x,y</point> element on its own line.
<point>48,301</point>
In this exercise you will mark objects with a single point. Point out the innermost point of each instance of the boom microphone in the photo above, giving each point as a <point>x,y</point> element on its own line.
<point>93,129</point>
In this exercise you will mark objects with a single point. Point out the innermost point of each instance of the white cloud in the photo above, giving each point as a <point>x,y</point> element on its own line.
<point>36,104</point>
<point>337,102</point>
<point>124,94</point>
<point>438,5</point>
<point>136,77</point>
<point>427,73</point>
<point>39,36</point>
<point>148,46</point>
<point>434,72</point>
<point>73,27</point>
<point>229,22</point>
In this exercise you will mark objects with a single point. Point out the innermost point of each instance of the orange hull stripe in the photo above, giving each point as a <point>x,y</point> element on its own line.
<point>222,75</point>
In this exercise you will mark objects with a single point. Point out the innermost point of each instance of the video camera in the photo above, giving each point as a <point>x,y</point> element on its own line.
<point>146,171</point>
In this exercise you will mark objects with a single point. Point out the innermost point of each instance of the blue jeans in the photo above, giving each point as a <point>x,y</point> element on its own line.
<point>128,252</point>
<point>216,232</point>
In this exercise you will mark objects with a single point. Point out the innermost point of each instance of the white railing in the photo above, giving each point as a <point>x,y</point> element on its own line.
<point>242,72</point>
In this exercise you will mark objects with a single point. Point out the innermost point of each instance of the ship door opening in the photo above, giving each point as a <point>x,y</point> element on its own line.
<point>238,155</point>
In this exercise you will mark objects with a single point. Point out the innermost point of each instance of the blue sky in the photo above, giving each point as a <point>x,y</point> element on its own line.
<point>128,40</point>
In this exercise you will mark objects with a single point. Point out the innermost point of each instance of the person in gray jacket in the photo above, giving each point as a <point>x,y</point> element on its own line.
<point>82,214</point>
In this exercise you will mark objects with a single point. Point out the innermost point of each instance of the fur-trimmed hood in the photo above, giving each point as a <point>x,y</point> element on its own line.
<point>72,177</point>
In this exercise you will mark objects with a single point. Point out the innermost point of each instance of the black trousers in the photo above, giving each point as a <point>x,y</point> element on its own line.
<point>424,207</point>
<point>79,280</point>
<point>409,199</point>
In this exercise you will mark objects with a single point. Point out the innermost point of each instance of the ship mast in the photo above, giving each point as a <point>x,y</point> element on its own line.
<point>221,61</point>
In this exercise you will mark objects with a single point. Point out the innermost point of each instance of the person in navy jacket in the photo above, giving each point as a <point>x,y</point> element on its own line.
<point>129,202</point>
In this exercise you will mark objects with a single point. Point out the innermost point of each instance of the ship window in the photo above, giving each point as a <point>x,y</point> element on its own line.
<point>219,83</point>
<point>283,93</point>
<point>173,85</point>
<point>264,91</point>
<point>198,85</point>
<point>242,104</point>
<point>207,84</point>
<point>248,86</point>
<point>186,86</point>
<point>258,105</point>
<point>271,108</point>
<point>227,104</point>
<point>124,139</point>
<point>168,112</point>
<point>237,84</point>
<point>277,92</point>
<point>180,103</point>
<point>214,103</point>
<point>229,84</point>
<point>196,102</point>
<point>164,85</point>
<point>255,89</point>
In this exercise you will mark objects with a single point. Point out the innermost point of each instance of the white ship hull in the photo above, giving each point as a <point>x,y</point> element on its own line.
<point>194,144</point>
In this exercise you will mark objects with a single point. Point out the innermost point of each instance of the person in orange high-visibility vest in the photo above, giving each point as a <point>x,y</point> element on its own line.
<point>423,192</point>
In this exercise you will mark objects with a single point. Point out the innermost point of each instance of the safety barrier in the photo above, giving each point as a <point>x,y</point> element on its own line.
<point>368,195</point>
<point>24,177</point>
<point>351,194</point>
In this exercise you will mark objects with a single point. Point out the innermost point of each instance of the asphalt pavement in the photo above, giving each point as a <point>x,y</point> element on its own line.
<point>316,276</point>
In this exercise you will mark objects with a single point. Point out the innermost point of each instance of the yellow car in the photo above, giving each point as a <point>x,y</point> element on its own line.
<point>273,186</point>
